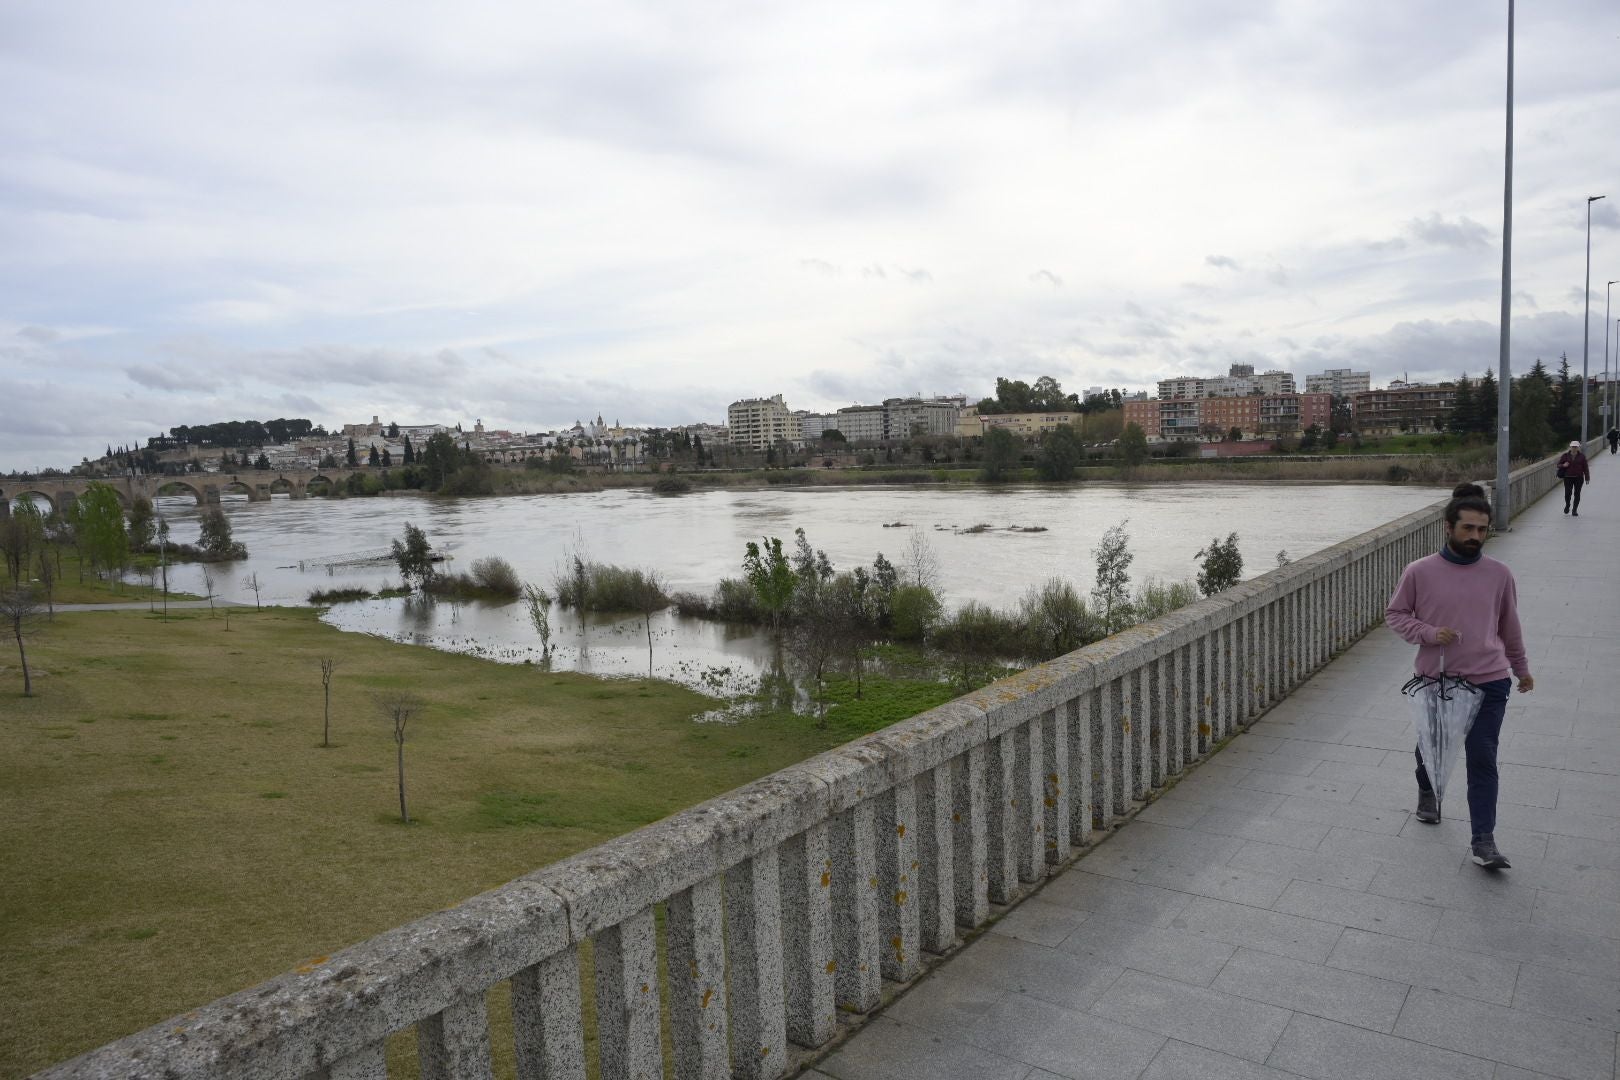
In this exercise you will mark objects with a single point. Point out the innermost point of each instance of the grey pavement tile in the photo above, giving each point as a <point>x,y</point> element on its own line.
<point>1348,872</point>
<point>1262,827</point>
<point>1585,914</point>
<point>1332,993</point>
<point>1394,850</point>
<point>1146,837</point>
<point>1436,967</point>
<point>1310,750</point>
<point>888,1050</point>
<point>1390,736</point>
<point>1224,796</point>
<point>1216,1021</point>
<point>946,1002</point>
<point>1508,1072</point>
<point>1308,786</point>
<point>1041,922</point>
<point>1569,823</point>
<point>1364,911</point>
<point>1076,888</point>
<point>1071,1044</point>
<point>1572,878</point>
<point>1034,971</point>
<point>1269,760</point>
<point>1501,895</point>
<point>1581,999</point>
<point>1342,815</point>
<point>1512,1036</point>
<point>1567,950</point>
<point>1455,831</point>
<point>1198,873</point>
<point>1400,775</point>
<point>1325,1050</point>
<point>1590,798</point>
<point>1175,954</point>
<point>1176,813</point>
<point>1269,931</point>
<point>1580,852</point>
<point>1183,1061</point>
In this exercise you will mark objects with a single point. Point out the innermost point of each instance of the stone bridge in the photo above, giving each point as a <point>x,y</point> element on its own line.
<point>1182,852</point>
<point>257,485</point>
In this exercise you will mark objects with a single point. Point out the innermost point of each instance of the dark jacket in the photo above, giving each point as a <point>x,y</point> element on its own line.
<point>1573,464</point>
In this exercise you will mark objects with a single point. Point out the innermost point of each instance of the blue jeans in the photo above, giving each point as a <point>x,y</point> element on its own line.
<point>1480,747</point>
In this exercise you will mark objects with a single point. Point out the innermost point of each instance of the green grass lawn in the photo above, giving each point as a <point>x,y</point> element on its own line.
<point>174,832</point>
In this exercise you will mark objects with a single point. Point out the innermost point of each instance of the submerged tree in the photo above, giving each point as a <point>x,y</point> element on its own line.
<point>771,577</point>
<point>414,556</point>
<point>1110,593</point>
<point>1222,565</point>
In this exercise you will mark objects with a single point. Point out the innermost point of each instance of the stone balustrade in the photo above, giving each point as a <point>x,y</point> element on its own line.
<point>794,900</point>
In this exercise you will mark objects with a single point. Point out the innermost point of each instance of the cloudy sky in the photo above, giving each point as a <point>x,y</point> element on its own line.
<point>532,212</point>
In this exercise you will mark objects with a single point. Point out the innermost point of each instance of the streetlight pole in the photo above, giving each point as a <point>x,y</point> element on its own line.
<point>1603,407</point>
<point>1586,320</point>
<point>1504,387</point>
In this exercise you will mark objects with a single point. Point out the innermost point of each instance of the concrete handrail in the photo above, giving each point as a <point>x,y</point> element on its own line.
<point>795,896</point>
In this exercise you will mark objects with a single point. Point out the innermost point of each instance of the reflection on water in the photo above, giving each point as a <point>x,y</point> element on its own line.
<point>695,540</point>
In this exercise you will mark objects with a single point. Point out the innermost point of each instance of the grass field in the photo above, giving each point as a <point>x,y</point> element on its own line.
<point>174,832</point>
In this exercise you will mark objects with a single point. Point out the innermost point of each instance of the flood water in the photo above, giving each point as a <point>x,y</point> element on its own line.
<point>694,540</point>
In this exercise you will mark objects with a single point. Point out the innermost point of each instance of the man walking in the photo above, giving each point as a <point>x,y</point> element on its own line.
<point>1461,609</point>
<point>1614,438</point>
<point>1576,470</point>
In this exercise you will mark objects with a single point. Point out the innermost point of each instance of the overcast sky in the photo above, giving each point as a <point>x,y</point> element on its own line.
<point>536,212</point>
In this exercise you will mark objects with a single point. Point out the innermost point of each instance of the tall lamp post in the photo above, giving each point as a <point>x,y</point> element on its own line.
<point>1504,386</point>
<point>1586,320</point>
<point>1603,406</point>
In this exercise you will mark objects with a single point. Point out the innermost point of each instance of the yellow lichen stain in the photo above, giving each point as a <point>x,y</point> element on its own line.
<point>832,966</point>
<point>862,967</point>
<point>1204,729</point>
<point>894,943</point>
<point>900,897</point>
<point>1208,700</point>
<point>694,969</point>
<point>956,818</point>
<point>764,1051</point>
<point>900,830</point>
<point>826,879</point>
<point>1050,802</point>
<point>645,988</point>
<point>707,994</point>
<point>1124,725</point>
<point>310,965</point>
<point>872,882</point>
<point>914,864</point>
<point>1012,802</point>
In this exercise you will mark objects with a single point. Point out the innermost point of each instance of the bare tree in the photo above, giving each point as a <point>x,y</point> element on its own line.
<point>208,586</point>
<point>328,665</point>
<point>921,564</point>
<point>647,592</point>
<point>399,707</point>
<point>48,571</point>
<point>253,583</point>
<point>20,610</point>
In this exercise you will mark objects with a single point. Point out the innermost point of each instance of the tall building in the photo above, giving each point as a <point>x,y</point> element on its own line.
<point>1403,408</point>
<point>1240,381</point>
<point>760,423</point>
<point>1340,382</point>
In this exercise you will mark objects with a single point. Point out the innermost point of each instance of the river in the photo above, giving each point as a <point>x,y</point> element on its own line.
<point>694,540</point>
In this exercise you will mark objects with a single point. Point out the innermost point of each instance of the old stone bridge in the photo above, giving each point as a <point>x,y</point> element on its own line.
<point>258,485</point>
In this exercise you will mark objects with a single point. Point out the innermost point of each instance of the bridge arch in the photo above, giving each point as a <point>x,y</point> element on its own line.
<point>283,486</point>
<point>237,487</point>
<point>174,487</point>
<point>44,502</point>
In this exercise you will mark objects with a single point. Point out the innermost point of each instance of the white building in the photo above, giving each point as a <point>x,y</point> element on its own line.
<point>759,423</point>
<point>1240,381</point>
<point>1340,382</point>
<point>862,423</point>
<point>905,417</point>
<point>812,424</point>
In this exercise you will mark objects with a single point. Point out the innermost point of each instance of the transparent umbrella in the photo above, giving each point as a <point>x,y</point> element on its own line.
<point>1443,709</point>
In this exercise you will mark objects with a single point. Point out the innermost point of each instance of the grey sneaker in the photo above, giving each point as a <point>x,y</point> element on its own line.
<point>1486,855</point>
<point>1428,810</point>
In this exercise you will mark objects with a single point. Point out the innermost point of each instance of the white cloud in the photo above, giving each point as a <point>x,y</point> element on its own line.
<point>533,212</point>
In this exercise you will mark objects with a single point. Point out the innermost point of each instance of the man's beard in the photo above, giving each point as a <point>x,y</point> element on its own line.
<point>1467,548</point>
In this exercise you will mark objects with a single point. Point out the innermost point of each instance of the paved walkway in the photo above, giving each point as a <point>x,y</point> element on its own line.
<point>1280,913</point>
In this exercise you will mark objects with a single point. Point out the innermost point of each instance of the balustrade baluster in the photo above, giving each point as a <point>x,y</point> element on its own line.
<point>970,837</point>
<point>754,957</point>
<point>898,864</point>
<point>546,1019</point>
<point>695,930</point>
<point>808,953</point>
<point>1055,796</point>
<point>1001,799</point>
<point>1028,811</point>
<point>1105,761</point>
<point>370,1063</point>
<point>1076,714</point>
<point>936,851</point>
<point>454,1044</point>
<point>627,1023</point>
<point>855,899</point>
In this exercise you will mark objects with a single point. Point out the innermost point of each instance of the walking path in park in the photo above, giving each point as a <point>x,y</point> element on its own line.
<point>1281,913</point>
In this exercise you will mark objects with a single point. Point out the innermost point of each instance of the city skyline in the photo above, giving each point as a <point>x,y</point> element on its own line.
<point>528,215</point>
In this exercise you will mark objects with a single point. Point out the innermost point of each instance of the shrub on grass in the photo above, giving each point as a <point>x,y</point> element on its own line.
<point>913,611</point>
<point>495,575</point>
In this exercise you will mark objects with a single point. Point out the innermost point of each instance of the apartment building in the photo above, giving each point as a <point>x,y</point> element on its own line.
<point>1403,408</point>
<point>1240,381</point>
<point>1339,382</point>
<point>760,423</point>
<point>1252,414</point>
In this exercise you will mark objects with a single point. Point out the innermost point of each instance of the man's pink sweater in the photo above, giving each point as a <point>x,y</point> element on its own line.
<point>1478,600</point>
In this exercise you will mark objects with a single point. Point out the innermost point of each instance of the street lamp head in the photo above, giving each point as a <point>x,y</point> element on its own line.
<point>1595,198</point>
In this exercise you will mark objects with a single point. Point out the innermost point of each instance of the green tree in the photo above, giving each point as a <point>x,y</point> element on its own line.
<point>1310,437</point>
<point>1566,407</point>
<point>393,430</point>
<point>1235,435</point>
<point>1464,409</point>
<point>142,523</point>
<point>20,535</point>
<point>771,577</point>
<point>20,612</point>
<point>102,538</point>
<point>1222,565</point>
<point>1060,454</point>
<point>441,457</point>
<point>1532,435</point>
<point>1330,439</point>
<point>352,456</point>
<point>409,454</point>
<point>414,556</point>
<point>373,458</point>
<point>262,462</point>
<point>215,537</point>
<point>1133,447</point>
<point>1486,406</point>
<point>1000,454</point>
<point>1110,592</point>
